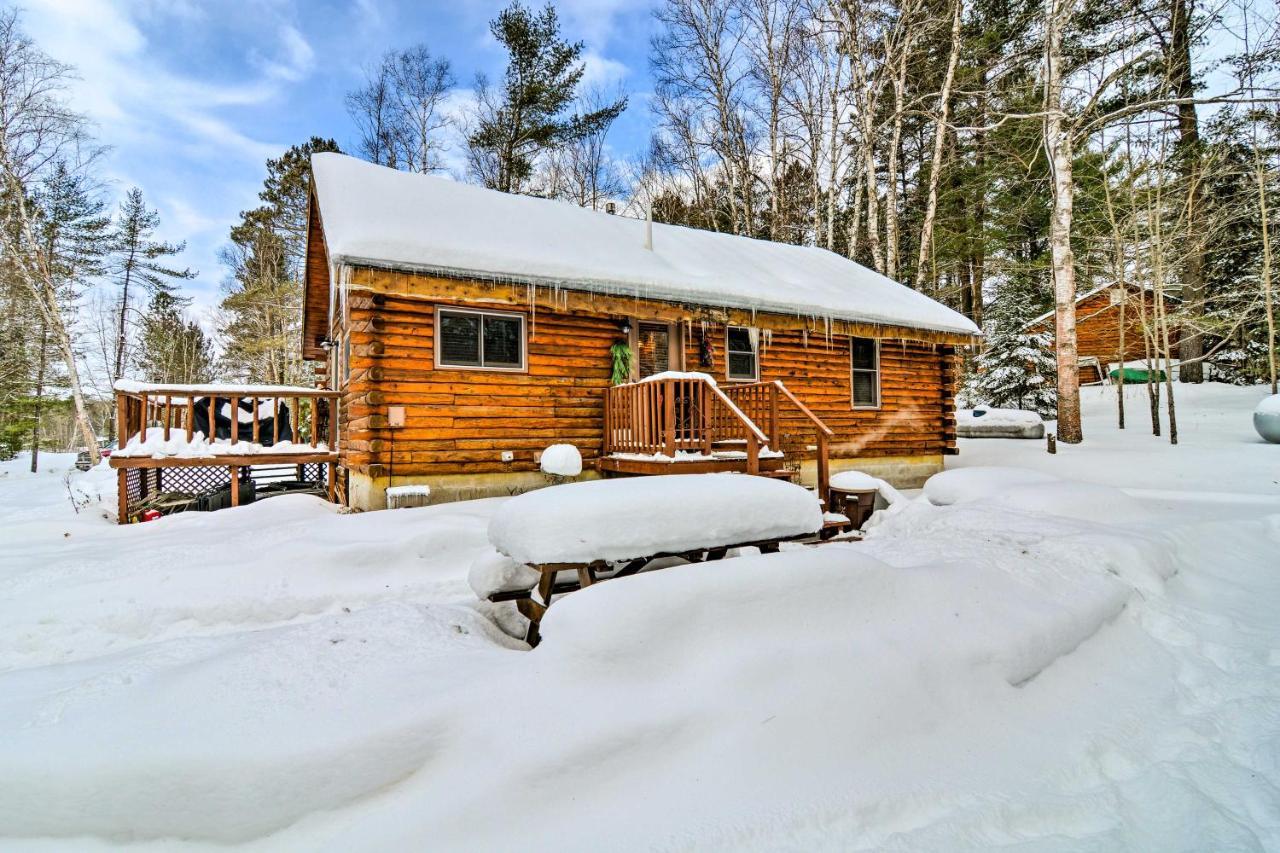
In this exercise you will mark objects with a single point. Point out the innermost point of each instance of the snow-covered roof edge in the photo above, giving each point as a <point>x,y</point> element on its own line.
<point>1089,294</point>
<point>630,291</point>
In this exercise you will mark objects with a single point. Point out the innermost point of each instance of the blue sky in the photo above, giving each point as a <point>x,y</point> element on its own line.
<point>193,97</point>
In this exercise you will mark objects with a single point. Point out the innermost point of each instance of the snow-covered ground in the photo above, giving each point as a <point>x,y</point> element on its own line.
<point>1088,659</point>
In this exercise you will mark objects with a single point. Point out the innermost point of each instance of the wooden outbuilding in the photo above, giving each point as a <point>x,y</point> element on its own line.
<point>465,330</point>
<point>1101,314</point>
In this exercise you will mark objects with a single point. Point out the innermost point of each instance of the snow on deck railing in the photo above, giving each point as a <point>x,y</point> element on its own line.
<point>182,421</point>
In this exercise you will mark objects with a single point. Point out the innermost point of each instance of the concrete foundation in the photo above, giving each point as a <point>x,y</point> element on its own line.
<point>368,493</point>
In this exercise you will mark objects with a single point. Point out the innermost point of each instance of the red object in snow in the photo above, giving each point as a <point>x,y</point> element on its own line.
<point>150,515</point>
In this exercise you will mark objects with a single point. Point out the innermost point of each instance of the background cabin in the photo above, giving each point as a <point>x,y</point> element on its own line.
<point>1100,315</point>
<point>466,330</point>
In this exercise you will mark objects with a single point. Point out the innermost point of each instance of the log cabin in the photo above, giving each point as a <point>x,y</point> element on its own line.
<point>1101,313</point>
<point>465,330</point>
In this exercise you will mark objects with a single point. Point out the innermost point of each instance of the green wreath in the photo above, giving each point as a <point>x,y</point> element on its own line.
<point>621,352</point>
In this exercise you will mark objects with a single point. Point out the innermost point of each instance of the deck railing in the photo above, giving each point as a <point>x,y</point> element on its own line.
<point>671,415</point>
<point>173,409</point>
<point>286,426</point>
<point>784,418</point>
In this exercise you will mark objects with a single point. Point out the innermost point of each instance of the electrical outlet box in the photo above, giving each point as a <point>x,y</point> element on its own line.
<point>508,456</point>
<point>395,416</point>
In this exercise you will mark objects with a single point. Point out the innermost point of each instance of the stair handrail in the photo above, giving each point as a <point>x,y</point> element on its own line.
<point>804,410</point>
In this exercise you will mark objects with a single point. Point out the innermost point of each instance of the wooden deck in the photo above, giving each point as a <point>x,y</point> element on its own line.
<point>684,424</point>
<point>300,423</point>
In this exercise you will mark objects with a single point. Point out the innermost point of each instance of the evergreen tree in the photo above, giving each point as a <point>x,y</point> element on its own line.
<point>172,348</point>
<point>138,262</point>
<point>263,302</point>
<point>1017,369</point>
<point>527,116</point>
<point>74,236</point>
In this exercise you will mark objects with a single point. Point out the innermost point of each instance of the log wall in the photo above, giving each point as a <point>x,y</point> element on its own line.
<point>1098,327</point>
<point>460,421</point>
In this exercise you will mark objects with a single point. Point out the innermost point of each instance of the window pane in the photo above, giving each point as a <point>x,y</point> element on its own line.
<point>864,388</point>
<point>864,354</point>
<point>742,365</point>
<point>502,341</point>
<point>739,339</point>
<point>459,339</point>
<point>654,343</point>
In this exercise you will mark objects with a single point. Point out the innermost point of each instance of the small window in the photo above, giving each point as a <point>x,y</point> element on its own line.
<point>740,344</point>
<point>865,353</point>
<point>479,339</point>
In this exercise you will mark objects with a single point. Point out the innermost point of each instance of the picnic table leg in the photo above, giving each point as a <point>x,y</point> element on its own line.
<point>532,611</point>
<point>546,583</point>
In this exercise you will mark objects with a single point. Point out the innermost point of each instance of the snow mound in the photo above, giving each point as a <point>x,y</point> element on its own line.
<point>855,481</point>
<point>998,417</point>
<point>229,738</point>
<point>561,460</point>
<point>493,572</point>
<point>961,485</point>
<point>1082,501</point>
<point>596,520</point>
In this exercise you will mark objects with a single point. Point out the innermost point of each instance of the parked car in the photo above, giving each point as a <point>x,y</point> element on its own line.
<point>85,460</point>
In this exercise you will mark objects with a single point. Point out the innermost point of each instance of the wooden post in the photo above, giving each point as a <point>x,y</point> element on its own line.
<point>753,452</point>
<point>775,428</point>
<point>333,482</point>
<point>235,484</point>
<point>122,417</point>
<point>295,420</point>
<point>255,420</point>
<point>315,420</point>
<point>275,420</point>
<point>213,423</point>
<point>608,432</point>
<point>824,470</point>
<point>168,415</point>
<point>122,495</point>
<point>669,416</point>
<point>191,416</point>
<point>704,412</point>
<point>146,409</point>
<point>235,419</point>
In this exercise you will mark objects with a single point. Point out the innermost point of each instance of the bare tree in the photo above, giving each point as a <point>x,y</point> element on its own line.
<point>37,129</point>
<point>420,83</point>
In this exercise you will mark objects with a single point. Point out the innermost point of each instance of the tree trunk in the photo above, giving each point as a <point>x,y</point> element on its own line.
<point>1058,143</point>
<point>1191,344</point>
<point>41,366</point>
<point>939,140</point>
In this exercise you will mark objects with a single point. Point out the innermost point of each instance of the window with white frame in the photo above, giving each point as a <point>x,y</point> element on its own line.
<point>741,357</point>
<point>865,365</point>
<point>479,340</point>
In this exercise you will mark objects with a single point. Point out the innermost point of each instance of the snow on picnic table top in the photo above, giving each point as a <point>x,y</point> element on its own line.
<point>384,217</point>
<point>640,516</point>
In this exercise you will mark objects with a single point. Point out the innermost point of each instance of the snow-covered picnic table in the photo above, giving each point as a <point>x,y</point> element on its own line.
<point>618,526</point>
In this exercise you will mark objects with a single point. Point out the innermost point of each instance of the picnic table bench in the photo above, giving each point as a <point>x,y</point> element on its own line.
<point>572,536</point>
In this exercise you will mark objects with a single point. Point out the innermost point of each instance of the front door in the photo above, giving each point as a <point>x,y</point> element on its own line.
<point>655,349</point>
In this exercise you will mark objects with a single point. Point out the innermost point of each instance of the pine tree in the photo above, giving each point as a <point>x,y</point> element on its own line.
<point>263,302</point>
<point>74,240</point>
<point>1017,369</point>
<point>137,262</point>
<point>527,116</point>
<point>172,348</point>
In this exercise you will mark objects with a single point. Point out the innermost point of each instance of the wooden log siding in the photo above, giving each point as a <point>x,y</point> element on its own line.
<point>459,421</point>
<point>1098,327</point>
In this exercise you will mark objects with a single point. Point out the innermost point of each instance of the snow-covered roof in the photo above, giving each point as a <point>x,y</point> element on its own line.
<point>375,216</point>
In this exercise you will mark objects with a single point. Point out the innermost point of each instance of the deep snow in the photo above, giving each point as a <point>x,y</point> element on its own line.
<point>1046,665</point>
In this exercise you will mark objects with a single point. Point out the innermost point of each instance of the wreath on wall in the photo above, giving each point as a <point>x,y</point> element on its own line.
<point>621,352</point>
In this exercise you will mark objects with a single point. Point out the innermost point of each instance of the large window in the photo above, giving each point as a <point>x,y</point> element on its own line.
<point>482,340</point>
<point>865,353</point>
<point>740,344</point>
